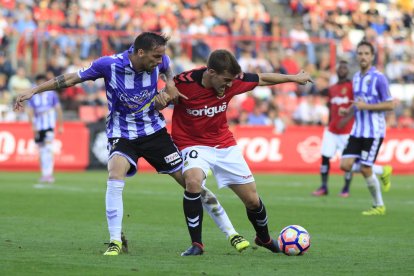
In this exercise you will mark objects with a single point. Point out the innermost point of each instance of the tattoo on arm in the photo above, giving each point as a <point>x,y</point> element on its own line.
<point>60,82</point>
<point>169,75</point>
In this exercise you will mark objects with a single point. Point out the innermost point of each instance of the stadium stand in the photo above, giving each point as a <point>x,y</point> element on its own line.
<point>60,35</point>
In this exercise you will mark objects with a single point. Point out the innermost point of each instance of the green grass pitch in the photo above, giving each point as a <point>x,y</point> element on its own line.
<point>61,230</point>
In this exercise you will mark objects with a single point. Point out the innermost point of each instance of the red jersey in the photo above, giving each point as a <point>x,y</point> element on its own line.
<point>339,95</point>
<point>201,120</point>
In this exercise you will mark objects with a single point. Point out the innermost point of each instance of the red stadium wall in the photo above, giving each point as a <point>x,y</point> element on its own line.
<point>18,150</point>
<point>295,151</point>
<point>298,150</point>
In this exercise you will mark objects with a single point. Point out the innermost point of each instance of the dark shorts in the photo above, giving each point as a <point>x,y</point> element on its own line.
<point>364,149</point>
<point>158,149</point>
<point>44,135</point>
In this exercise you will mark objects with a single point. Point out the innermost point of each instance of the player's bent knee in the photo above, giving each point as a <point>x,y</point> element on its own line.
<point>346,167</point>
<point>193,185</point>
<point>117,173</point>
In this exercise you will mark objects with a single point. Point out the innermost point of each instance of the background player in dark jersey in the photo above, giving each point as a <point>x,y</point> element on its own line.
<point>134,127</point>
<point>200,130</point>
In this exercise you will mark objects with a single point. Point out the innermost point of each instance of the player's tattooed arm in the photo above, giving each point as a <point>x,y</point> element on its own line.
<point>66,80</point>
<point>62,81</point>
<point>171,90</point>
<point>168,76</point>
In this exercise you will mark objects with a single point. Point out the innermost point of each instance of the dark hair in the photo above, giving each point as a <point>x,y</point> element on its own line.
<point>148,41</point>
<point>366,43</point>
<point>40,77</point>
<point>221,61</point>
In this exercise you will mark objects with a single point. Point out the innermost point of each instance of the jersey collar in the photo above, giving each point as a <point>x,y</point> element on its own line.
<point>371,70</point>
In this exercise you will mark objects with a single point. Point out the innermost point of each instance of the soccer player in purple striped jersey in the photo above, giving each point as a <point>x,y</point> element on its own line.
<point>371,99</point>
<point>43,111</point>
<point>134,126</point>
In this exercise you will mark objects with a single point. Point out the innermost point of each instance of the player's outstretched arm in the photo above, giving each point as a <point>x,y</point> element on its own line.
<point>274,78</point>
<point>62,81</point>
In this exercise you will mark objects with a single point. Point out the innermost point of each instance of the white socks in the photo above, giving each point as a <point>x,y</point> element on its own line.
<point>216,212</point>
<point>375,168</point>
<point>375,190</point>
<point>114,208</point>
<point>46,159</point>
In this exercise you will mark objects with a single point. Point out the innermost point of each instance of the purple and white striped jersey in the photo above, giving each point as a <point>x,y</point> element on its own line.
<point>372,88</point>
<point>130,95</point>
<point>44,110</point>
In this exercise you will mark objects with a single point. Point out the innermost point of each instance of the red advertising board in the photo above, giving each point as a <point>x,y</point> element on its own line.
<point>18,150</point>
<point>298,150</point>
<point>295,151</point>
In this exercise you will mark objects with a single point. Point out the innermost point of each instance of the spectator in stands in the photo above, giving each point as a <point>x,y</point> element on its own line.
<point>199,31</point>
<point>91,44</point>
<point>223,11</point>
<point>300,40</point>
<point>5,99</point>
<point>275,119</point>
<point>289,62</point>
<point>372,11</point>
<point>379,25</point>
<point>19,82</point>
<point>181,61</point>
<point>25,25</point>
<point>4,29</point>
<point>259,115</point>
<point>6,67</point>
<point>311,111</point>
<point>395,70</point>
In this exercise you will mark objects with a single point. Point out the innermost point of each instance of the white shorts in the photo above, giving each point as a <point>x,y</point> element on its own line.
<point>228,164</point>
<point>333,142</point>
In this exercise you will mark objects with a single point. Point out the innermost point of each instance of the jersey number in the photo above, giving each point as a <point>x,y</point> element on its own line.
<point>192,154</point>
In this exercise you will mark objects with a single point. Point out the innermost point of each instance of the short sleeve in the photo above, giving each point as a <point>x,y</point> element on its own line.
<point>30,103</point>
<point>55,99</point>
<point>383,88</point>
<point>95,69</point>
<point>165,64</point>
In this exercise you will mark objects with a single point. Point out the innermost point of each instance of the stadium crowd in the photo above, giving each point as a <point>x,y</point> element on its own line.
<point>58,36</point>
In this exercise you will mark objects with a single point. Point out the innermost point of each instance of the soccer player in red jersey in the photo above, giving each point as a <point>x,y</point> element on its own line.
<point>336,134</point>
<point>201,132</point>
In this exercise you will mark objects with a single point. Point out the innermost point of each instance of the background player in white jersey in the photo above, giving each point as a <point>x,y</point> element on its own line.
<point>134,127</point>
<point>372,99</point>
<point>43,111</point>
<point>200,130</point>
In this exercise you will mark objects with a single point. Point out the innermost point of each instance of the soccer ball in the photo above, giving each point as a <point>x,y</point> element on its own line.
<point>293,240</point>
